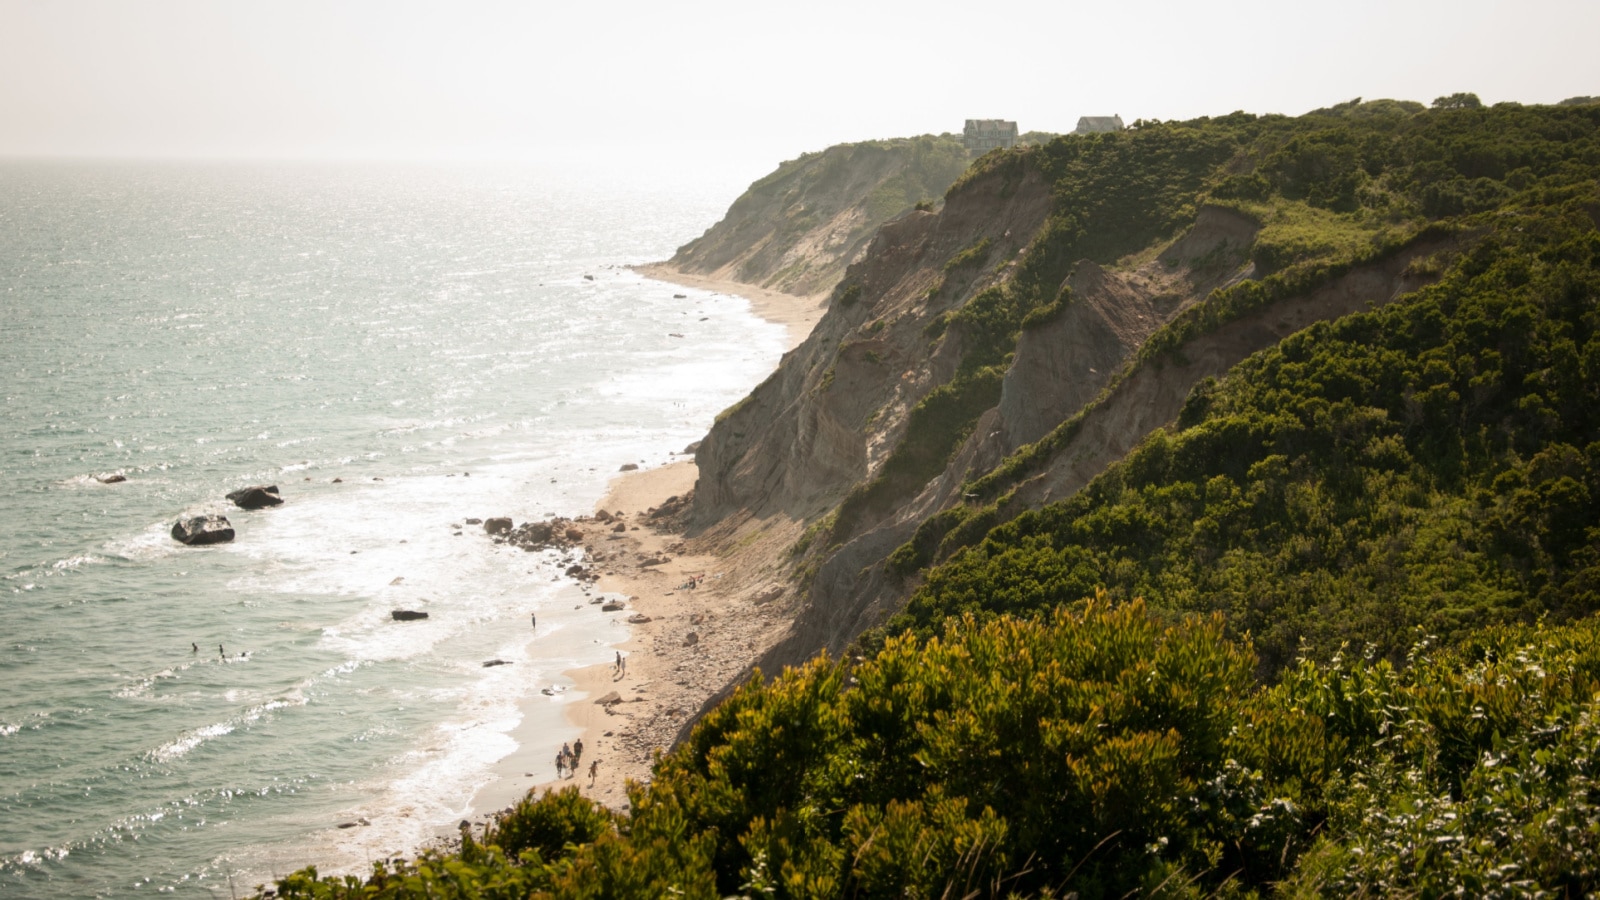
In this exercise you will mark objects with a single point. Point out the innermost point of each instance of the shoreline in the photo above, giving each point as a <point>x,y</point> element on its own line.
<point>692,642</point>
<point>796,313</point>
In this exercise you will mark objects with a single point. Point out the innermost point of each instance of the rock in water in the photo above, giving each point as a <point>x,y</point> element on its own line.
<point>497,525</point>
<point>256,496</point>
<point>113,478</point>
<point>407,615</point>
<point>199,530</point>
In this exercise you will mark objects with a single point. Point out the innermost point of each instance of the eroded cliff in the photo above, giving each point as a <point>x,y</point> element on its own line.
<point>798,228</point>
<point>994,353</point>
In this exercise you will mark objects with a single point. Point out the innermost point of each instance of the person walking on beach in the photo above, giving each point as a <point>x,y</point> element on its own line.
<point>577,753</point>
<point>533,620</point>
<point>594,772</point>
<point>561,764</point>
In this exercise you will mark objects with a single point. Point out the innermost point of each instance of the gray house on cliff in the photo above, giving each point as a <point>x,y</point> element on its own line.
<point>1098,124</point>
<point>982,135</point>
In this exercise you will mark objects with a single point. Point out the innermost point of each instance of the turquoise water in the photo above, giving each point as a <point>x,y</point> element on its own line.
<point>427,336</point>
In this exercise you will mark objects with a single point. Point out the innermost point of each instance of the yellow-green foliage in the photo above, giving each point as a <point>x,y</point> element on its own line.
<point>1102,752</point>
<point>970,258</point>
<point>1434,463</point>
<point>1296,232</point>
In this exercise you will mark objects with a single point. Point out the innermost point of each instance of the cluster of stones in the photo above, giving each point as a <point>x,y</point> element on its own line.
<point>216,529</point>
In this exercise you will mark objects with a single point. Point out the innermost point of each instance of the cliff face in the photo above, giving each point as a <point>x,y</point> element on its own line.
<point>972,365</point>
<point>797,229</point>
<point>837,405</point>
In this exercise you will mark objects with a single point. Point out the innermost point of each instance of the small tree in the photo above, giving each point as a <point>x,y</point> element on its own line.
<point>1458,101</point>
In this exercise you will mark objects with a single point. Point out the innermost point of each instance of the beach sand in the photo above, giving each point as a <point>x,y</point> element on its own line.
<point>696,640</point>
<point>798,314</point>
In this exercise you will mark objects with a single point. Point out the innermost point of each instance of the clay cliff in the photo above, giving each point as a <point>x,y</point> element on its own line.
<point>993,352</point>
<point>797,229</point>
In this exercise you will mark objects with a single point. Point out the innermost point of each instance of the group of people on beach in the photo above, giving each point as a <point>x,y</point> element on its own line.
<point>567,762</point>
<point>692,583</point>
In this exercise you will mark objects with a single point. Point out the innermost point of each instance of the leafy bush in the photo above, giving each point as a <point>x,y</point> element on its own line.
<point>1430,464</point>
<point>1102,752</point>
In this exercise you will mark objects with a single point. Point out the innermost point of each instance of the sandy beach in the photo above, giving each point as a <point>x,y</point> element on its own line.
<point>700,610</point>
<point>798,314</point>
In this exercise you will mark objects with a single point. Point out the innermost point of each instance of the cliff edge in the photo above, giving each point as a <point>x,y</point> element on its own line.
<point>796,230</point>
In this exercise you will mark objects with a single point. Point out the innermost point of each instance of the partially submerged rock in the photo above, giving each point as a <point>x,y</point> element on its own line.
<point>112,478</point>
<point>489,664</point>
<point>199,530</point>
<point>256,496</point>
<point>407,615</point>
<point>498,525</point>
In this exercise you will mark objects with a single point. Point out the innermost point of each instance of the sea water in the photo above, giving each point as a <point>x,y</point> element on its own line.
<point>397,348</point>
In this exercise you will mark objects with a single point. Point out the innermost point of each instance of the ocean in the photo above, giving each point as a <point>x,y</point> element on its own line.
<point>399,349</point>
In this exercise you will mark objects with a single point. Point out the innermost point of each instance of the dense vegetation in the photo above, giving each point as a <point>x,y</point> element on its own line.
<point>1435,463</point>
<point>1330,634</point>
<point>1098,752</point>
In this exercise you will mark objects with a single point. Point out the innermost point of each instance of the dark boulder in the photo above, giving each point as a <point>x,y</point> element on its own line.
<point>113,478</point>
<point>407,615</point>
<point>489,664</point>
<point>256,496</point>
<point>199,530</point>
<point>497,525</point>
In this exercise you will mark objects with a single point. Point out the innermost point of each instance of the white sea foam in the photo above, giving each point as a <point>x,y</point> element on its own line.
<point>386,373</point>
<point>193,738</point>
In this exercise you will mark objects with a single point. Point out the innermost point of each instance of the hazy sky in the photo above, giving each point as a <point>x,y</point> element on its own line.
<point>742,84</point>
